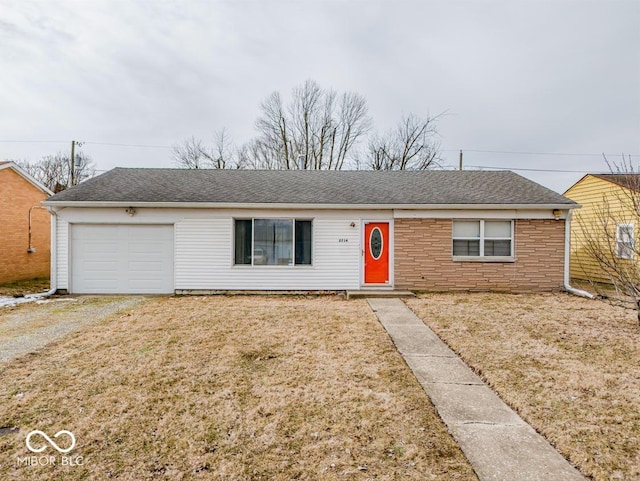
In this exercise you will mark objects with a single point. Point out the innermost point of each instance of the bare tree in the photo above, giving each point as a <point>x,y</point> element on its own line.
<point>54,171</point>
<point>256,155</point>
<point>317,130</point>
<point>606,238</point>
<point>192,153</point>
<point>412,145</point>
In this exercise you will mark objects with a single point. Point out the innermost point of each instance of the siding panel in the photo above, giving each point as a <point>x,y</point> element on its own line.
<point>592,193</point>
<point>204,250</point>
<point>62,259</point>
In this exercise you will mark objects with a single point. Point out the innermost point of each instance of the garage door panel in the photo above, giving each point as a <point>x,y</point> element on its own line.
<point>102,248</point>
<point>132,232</point>
<point>93,232</point>
<point>99,266</point>
<point>102,286</point>
<point>146,250</point>
<point>141,268</point>
<point>142,286</point>
<point>122,259</point>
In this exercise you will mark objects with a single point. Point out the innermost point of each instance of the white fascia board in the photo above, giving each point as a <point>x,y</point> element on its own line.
<point>493,213</point>
<point>23,173</point>
<point>231,205</point>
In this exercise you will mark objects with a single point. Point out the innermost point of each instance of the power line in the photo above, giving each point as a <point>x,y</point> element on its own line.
<point>530,170</point>
<point>36,141</point>
<point>481,151</point>
<point>510,152</point>
<point>115,144</point>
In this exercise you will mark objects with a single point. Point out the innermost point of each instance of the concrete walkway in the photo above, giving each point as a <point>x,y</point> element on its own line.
<point>496,441</point>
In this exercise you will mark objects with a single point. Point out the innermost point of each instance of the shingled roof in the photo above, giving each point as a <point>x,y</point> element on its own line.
<point>136,186</point>
<point>630,181</point>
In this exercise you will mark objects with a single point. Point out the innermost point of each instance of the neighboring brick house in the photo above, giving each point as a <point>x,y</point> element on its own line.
<point>172,230</point>
<point>20,198</point>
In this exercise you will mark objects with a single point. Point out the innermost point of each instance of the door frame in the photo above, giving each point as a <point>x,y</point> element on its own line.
<point>363,246</point>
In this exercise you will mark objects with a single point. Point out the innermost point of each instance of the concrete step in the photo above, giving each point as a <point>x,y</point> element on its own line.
<point>378,294</point>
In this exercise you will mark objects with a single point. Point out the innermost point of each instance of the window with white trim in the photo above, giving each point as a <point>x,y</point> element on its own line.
<point>272,242</point>
<point>625,240</point>
<point>483,238</point>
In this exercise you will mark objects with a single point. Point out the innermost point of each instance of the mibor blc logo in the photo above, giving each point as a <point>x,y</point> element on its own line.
<point>50,441</point>
<point>38,441</point>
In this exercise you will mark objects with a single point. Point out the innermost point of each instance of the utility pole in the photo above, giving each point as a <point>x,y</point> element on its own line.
<point>72,166</point>
<point>460,168</point>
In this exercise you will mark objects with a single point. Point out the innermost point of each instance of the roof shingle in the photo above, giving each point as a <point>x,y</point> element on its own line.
<point>630,180</point>
<point>310,187</point>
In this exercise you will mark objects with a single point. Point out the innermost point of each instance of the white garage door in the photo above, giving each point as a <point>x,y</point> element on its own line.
<point>119,259</point>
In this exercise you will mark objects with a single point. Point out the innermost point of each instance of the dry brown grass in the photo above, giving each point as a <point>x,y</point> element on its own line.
<point>29,318</point>
<point>29,286</point>
<point>229,388</point>
<point>568,365</point>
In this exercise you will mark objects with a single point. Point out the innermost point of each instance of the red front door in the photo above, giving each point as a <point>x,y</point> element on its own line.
<point>376,253</point>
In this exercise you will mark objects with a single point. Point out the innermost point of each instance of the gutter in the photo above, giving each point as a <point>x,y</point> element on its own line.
<point>289,205</point>
<point>54,257</point>
<point>567,253</point>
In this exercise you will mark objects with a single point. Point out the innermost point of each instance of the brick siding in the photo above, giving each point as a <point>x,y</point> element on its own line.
<point>423,259</point>
<point>17,195</point>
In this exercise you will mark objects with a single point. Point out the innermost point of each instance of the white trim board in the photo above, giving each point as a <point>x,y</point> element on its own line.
<point>479,214</point>
<point>271,206</point>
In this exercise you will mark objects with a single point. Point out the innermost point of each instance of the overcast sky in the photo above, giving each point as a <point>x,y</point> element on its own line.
<point>513,76</point>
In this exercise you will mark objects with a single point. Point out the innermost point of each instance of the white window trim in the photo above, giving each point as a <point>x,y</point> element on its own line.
<point>293,244</point>
<point>631,244</point>
<point>482,239</point>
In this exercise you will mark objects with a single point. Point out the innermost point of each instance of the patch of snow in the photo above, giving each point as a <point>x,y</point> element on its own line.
<point>14,301</point>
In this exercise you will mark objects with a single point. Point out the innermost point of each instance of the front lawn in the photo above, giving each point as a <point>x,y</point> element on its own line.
<point>570,366</point>
<point>29,286</point>
<point>227,388</point>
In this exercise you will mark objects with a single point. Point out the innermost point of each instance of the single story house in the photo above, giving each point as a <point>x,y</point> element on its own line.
<point>175,230</point>
<point>25,227</point>
<point>604,227</point>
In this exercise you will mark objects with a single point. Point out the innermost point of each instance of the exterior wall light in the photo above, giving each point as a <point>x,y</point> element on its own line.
<point>352,225</point>
<point>557,213</point>
<point>131,211</point>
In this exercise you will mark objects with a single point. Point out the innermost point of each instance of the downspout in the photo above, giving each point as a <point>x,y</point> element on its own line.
<point>31,249</point>
<point>54,257</point>
<point>567,253</point>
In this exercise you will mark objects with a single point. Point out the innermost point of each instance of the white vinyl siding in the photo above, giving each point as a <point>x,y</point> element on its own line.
<point>62,254</point>
<point>204,257</point>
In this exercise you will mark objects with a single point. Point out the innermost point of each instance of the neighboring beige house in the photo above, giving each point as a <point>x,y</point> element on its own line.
<point>20,210</point>
<point>605,199</point>
<point>172,230</point>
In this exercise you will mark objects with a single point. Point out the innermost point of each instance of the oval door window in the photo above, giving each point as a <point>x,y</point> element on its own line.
<point>375,243</point>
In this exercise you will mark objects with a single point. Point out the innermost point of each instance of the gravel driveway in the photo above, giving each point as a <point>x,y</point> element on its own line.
<point>28,327</point>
